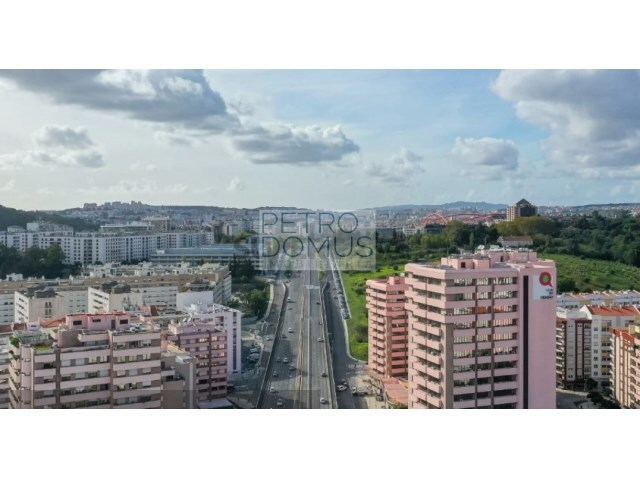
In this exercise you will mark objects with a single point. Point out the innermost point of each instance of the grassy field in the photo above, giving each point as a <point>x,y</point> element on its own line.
<point>595,274</point>
<point>354,285</point>
<point>588,275</point>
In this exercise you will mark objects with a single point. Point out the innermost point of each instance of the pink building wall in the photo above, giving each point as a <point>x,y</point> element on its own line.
<point>483,284</point>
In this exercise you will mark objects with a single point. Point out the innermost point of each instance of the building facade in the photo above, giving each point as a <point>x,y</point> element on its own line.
<point>388,327</point>
<point>573,348</point>
<point>91,361</point>
<point>482,331</point>
<point>207,344</point>
<point>604,318</point>
<point>618,299</point>
<point>625,371</point>
<point>90,248</point>
<point>521,209</point>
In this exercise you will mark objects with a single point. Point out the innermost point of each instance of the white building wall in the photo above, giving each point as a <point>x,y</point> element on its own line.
<point>7,313</point>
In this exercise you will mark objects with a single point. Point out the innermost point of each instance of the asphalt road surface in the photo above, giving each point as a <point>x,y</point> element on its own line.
<point>344,367</point>
<point>295,379</point>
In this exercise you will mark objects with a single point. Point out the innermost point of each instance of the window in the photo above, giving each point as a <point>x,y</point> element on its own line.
<point>77,322</point>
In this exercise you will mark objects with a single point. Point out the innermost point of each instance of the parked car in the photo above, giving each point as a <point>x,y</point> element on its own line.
<point>324,374</point>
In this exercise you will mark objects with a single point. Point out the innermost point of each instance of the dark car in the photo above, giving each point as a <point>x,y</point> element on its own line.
<point>324,374</point>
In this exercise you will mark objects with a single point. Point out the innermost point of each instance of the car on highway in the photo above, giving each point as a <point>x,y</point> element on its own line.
<point>354,390</point>
<point>285,360</point>
<point>320,339</point>
<point>290,330</point>
<point>324,374</point>
<point>275,374</point>
<point>341,388</point>
<point>292,368</point>
<point>272,390</point>
<point>317,303</point>
<point>279,403</point>
<point>284,335</point>
<point>323,400</point>
<point>278,359</point>
<point>344,381</point>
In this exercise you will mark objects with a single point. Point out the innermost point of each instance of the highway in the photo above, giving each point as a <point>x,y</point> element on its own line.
<point>294,376</point>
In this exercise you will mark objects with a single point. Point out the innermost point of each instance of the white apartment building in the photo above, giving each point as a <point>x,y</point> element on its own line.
<point>602,319</point>
<point>35,304</point>
<point>115,297</point>
<point>577,300</point>
<point>7,308</point>
<point>89,248</point>
<point>5,358</point>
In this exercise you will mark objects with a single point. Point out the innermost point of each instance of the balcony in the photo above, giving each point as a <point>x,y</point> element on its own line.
<point>147,377</point>
<point>465,404</point>
<point>85,396</point>
<point>127,352</point>
<point>135,364</point>
<point>138,405</point>
<point>83,382</point>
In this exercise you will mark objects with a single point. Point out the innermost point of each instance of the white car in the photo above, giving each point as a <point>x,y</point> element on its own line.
<point>323,400</point>
<point>341,388</point>
<point>320,339</point>
<point>272,390</point>
<point>285,360</point>
<point>290,330</point>
<point>279,403</point>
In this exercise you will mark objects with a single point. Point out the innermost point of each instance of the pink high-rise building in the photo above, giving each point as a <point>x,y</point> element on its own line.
<point>482,331</point>
<point>207,343</point>
<point>388,327</point>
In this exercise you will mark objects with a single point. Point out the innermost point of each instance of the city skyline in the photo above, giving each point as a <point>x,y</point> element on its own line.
<point>315,138</point>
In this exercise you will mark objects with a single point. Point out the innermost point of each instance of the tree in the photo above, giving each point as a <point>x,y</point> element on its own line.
<point>566,285</point>
<point>257,301</point>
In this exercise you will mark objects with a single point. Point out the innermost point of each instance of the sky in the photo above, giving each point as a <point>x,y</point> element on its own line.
<point>339,139</point>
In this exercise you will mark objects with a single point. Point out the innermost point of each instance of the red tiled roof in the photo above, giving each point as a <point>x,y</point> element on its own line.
<point>53,322</point>
<point>613,311</point>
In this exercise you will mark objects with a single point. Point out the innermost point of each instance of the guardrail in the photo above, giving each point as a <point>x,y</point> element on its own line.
<point>276,341</point>
<point>327,346</point>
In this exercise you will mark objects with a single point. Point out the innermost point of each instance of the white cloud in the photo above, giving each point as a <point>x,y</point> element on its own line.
<point>11,161</point>
<point>400,169</point>
<point>184,109</point>
<point>52,136</point>
<point>593,116</point>
<point>141,187</point>
<point>288,144</point>
<point>487,156</point>
<point>143,167</point>
<point>235,185</point>
<point>9,186</point>
<point>57,146</point>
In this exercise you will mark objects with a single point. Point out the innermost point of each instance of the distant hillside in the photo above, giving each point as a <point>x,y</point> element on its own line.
<point>10,217</point>
<point>481,206</point>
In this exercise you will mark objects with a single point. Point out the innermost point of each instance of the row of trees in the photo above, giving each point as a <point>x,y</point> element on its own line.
<point>615,238</point>
<point>34,262</point>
